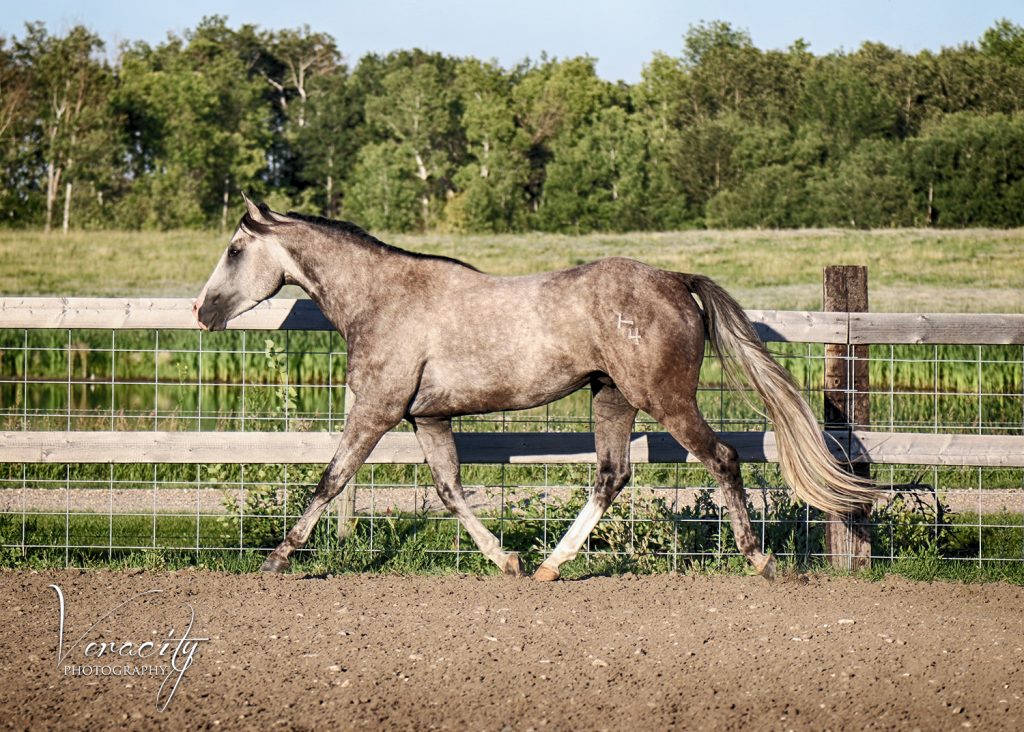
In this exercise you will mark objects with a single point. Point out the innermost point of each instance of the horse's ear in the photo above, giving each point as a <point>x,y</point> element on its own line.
<point>252,208</point>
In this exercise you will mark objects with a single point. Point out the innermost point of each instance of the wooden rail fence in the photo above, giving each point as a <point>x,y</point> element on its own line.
<point>841,328</point>
<point>844,330</point>
<point>800,326</point>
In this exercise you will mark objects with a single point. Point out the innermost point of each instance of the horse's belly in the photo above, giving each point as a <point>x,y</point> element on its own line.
<point>454,390</point>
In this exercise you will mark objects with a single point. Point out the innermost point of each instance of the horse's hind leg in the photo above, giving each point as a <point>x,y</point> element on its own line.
<point>613,423</point>
<point>438,445</point>
<point>689,428</point>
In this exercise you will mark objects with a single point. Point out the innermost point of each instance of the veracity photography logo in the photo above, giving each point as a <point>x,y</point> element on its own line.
<point>102,651</point>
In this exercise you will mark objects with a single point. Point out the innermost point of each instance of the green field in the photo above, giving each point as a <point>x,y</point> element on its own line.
<point>910,270</point>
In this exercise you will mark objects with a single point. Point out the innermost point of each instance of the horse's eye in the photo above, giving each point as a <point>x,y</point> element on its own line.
<point>233,252</point>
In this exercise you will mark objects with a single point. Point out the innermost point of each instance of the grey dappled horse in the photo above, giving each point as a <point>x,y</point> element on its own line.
<point>430,338</point>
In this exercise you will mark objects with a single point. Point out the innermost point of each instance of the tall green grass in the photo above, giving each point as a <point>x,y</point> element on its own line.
<point>102,375</point>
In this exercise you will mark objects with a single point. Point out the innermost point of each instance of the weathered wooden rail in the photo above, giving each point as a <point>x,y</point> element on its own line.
<point>800,326</point>
<point>487,448</point>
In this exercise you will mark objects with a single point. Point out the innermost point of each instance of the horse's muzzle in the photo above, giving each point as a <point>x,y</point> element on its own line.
<point>209,312</point>
<point>196,304</point>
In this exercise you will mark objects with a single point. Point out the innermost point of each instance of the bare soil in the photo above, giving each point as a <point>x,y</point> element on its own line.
<point>377,500</point>
<point>495,653</point>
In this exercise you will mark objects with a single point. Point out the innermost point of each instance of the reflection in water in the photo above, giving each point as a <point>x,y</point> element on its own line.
<point>54,405</point>
<point>91,406</point>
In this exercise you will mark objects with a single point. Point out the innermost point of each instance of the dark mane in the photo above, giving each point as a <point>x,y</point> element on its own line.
<point>361,236</point>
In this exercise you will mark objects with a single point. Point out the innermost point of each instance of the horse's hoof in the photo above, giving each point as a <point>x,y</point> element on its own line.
<point>275,565</point>
<point>513,567</point>
<point>546,574</point>
<point>767,568</point>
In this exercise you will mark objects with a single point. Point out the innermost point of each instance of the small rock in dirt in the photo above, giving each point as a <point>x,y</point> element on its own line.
<point>599,663</point>
<point>846,621</point>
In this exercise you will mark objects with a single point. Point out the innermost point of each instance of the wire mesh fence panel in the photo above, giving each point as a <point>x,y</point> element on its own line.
<point>293,381</point>
<point>668,515</point>
<point>171,380</point>
<point>263,381</point>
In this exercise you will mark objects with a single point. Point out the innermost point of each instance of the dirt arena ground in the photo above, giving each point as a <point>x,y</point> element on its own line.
<point>418,653</point>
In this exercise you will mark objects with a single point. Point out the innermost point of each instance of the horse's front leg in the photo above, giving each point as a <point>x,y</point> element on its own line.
<point>363,430</point>
<point>438,445</point>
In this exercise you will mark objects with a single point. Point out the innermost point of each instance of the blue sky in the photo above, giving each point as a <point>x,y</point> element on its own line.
<point>621,34</point>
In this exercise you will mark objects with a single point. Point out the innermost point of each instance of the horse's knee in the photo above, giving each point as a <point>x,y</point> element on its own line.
<point>330,483</point>
<point>611,478</point>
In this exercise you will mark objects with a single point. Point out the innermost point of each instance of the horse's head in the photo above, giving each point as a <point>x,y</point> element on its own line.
<point>251,270</point>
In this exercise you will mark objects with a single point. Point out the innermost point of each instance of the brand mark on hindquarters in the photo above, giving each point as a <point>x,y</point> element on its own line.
<point>632,332</point>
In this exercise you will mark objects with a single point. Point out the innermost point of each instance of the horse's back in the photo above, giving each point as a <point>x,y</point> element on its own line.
<point>515,342</point>
<point>585,308</point>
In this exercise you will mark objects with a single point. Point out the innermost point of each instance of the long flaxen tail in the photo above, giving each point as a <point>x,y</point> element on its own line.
<point>807,465</point>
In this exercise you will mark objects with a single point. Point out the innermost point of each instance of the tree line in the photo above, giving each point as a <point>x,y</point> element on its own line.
<point>722,135</point>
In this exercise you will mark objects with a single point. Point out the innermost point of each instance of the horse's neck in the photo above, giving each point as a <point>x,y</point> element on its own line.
<point>345,280</point>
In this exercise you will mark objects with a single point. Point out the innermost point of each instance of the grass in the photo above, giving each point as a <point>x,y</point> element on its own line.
<point>435,545</point>
<point>974,270</point>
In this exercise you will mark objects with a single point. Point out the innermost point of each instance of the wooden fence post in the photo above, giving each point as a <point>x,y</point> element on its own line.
<point>347,499</point>
<point>847,405</point>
